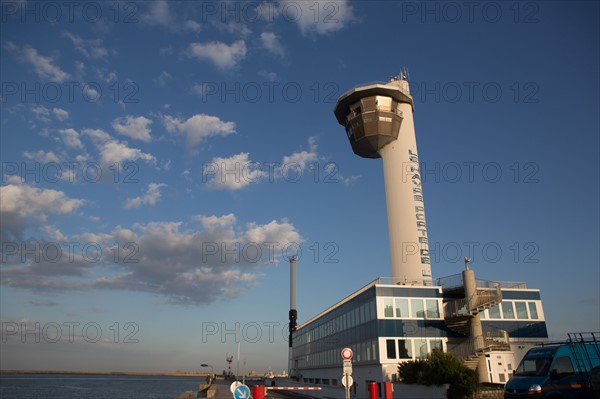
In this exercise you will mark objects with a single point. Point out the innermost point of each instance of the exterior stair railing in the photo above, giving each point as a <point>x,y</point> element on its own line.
<point>458,313</point>
<point>493,340</point>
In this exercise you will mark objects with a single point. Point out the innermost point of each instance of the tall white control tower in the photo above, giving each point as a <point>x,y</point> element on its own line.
<point>379,123</point>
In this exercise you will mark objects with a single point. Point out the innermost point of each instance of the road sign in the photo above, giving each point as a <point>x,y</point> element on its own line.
<point>234,385</point>
<point>241,392</point>
<point>347,381</point>
<point>347,367</point>
<point>347,353</point>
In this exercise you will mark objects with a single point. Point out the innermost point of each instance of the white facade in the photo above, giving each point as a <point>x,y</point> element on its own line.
<point>385,324</point>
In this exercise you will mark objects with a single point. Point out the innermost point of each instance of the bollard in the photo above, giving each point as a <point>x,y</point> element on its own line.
<point>389,388</point>
<point>259,392</point>
<point>373,391</point>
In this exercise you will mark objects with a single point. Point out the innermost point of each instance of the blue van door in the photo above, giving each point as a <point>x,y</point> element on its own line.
<point>564,380</point>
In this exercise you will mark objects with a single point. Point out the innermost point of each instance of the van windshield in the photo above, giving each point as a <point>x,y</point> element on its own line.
<point>534,366</point>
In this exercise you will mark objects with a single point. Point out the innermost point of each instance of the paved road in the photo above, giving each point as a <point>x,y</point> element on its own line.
<point>223,392</point>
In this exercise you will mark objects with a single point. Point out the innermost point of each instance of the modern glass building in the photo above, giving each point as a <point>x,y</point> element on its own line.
<point>385,323</point>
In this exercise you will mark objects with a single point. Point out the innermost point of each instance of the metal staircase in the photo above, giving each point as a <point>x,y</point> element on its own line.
<point>466,349</point>
<point>458,314</point>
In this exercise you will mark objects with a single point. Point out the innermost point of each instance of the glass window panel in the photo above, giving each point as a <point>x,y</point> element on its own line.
<point>432,308</point>
<point>402,307</point>
<point>388,307</point>
<point>436,344</point>
<point>507,310</point>
<point>521,310</point>
<point>417,308</point>
<point>533,310</point>
<point>483,315</point>
<point>494,312</point>
<point>361,348</point>
<point>373,309</point>
<point>405,349</point>
<point>420,348</point>
<point>374,350</point>
<point>384,103</point>
<point>391,348</point>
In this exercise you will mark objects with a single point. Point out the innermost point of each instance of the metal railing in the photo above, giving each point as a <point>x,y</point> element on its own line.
<point>492,340</point>
<point>470,307</point>
<point>456,281</point>
<point>399,281</point>
<point>456,308</point>
<point>482,298</point>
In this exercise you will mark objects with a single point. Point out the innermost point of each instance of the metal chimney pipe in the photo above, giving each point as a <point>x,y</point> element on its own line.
<point>293,312</point>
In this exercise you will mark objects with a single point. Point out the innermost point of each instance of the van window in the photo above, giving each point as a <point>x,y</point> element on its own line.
<point>534,366</point>
<point>563,365</point>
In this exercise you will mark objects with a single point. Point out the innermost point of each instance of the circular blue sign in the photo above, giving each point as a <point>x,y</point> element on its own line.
<point>241,392</point>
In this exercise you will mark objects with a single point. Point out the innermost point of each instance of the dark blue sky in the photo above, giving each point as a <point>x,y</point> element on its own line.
<point>506,113</point>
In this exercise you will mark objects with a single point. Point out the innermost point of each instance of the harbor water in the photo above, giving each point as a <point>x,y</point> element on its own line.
<point>47,386</point>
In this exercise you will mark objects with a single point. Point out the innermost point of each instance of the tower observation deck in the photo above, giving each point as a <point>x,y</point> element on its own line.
<point>379,123</point>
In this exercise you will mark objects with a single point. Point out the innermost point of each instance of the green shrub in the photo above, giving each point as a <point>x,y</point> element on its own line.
<point>441,368</point>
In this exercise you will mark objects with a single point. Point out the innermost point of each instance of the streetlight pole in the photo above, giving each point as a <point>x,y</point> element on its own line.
<point>212,373</point>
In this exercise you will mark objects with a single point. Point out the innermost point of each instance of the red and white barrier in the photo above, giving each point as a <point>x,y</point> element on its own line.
<point>294,388</point>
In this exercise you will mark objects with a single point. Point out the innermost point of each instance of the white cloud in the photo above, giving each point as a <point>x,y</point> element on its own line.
<point>116,152</point>
<point>133,127</point>
<point>108,77</point>
<point>168,50</point>
<point>91,94</point>
<point>71,138</point>
<point>239,171</point>
<point>192,25</point>
<point>89,48</point>
<point>163,79</point>
<point>272,232</point>
<point>23,207</point>
<point>41,113</point>
<point>44,67</point>
<point>234,28</point>
<point>271,42</point>
<point>54,234</point>
<point>60,114</point>
<point>198,127</point>
<point>269,75</point>
<point>32,201</point>
<point>158,14</point>
<point>200,89</point>
<point>231,173</point>
<point>332,15</point>
<point>150,198</point>
<point>113,151</point>
<point>44,114</point>
<point>198,271</point>
<point>333,175</point>
<point>223,56</point>
<point>302,158</point>
<point>210,257</point>
<point>42,156</point>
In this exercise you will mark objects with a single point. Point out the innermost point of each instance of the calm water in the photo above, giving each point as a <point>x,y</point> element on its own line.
<point>40,386</point>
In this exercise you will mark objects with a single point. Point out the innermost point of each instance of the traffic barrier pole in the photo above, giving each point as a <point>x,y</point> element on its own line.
<point>373,390</point>
<point>389,388</point>
<point>259,392</point>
